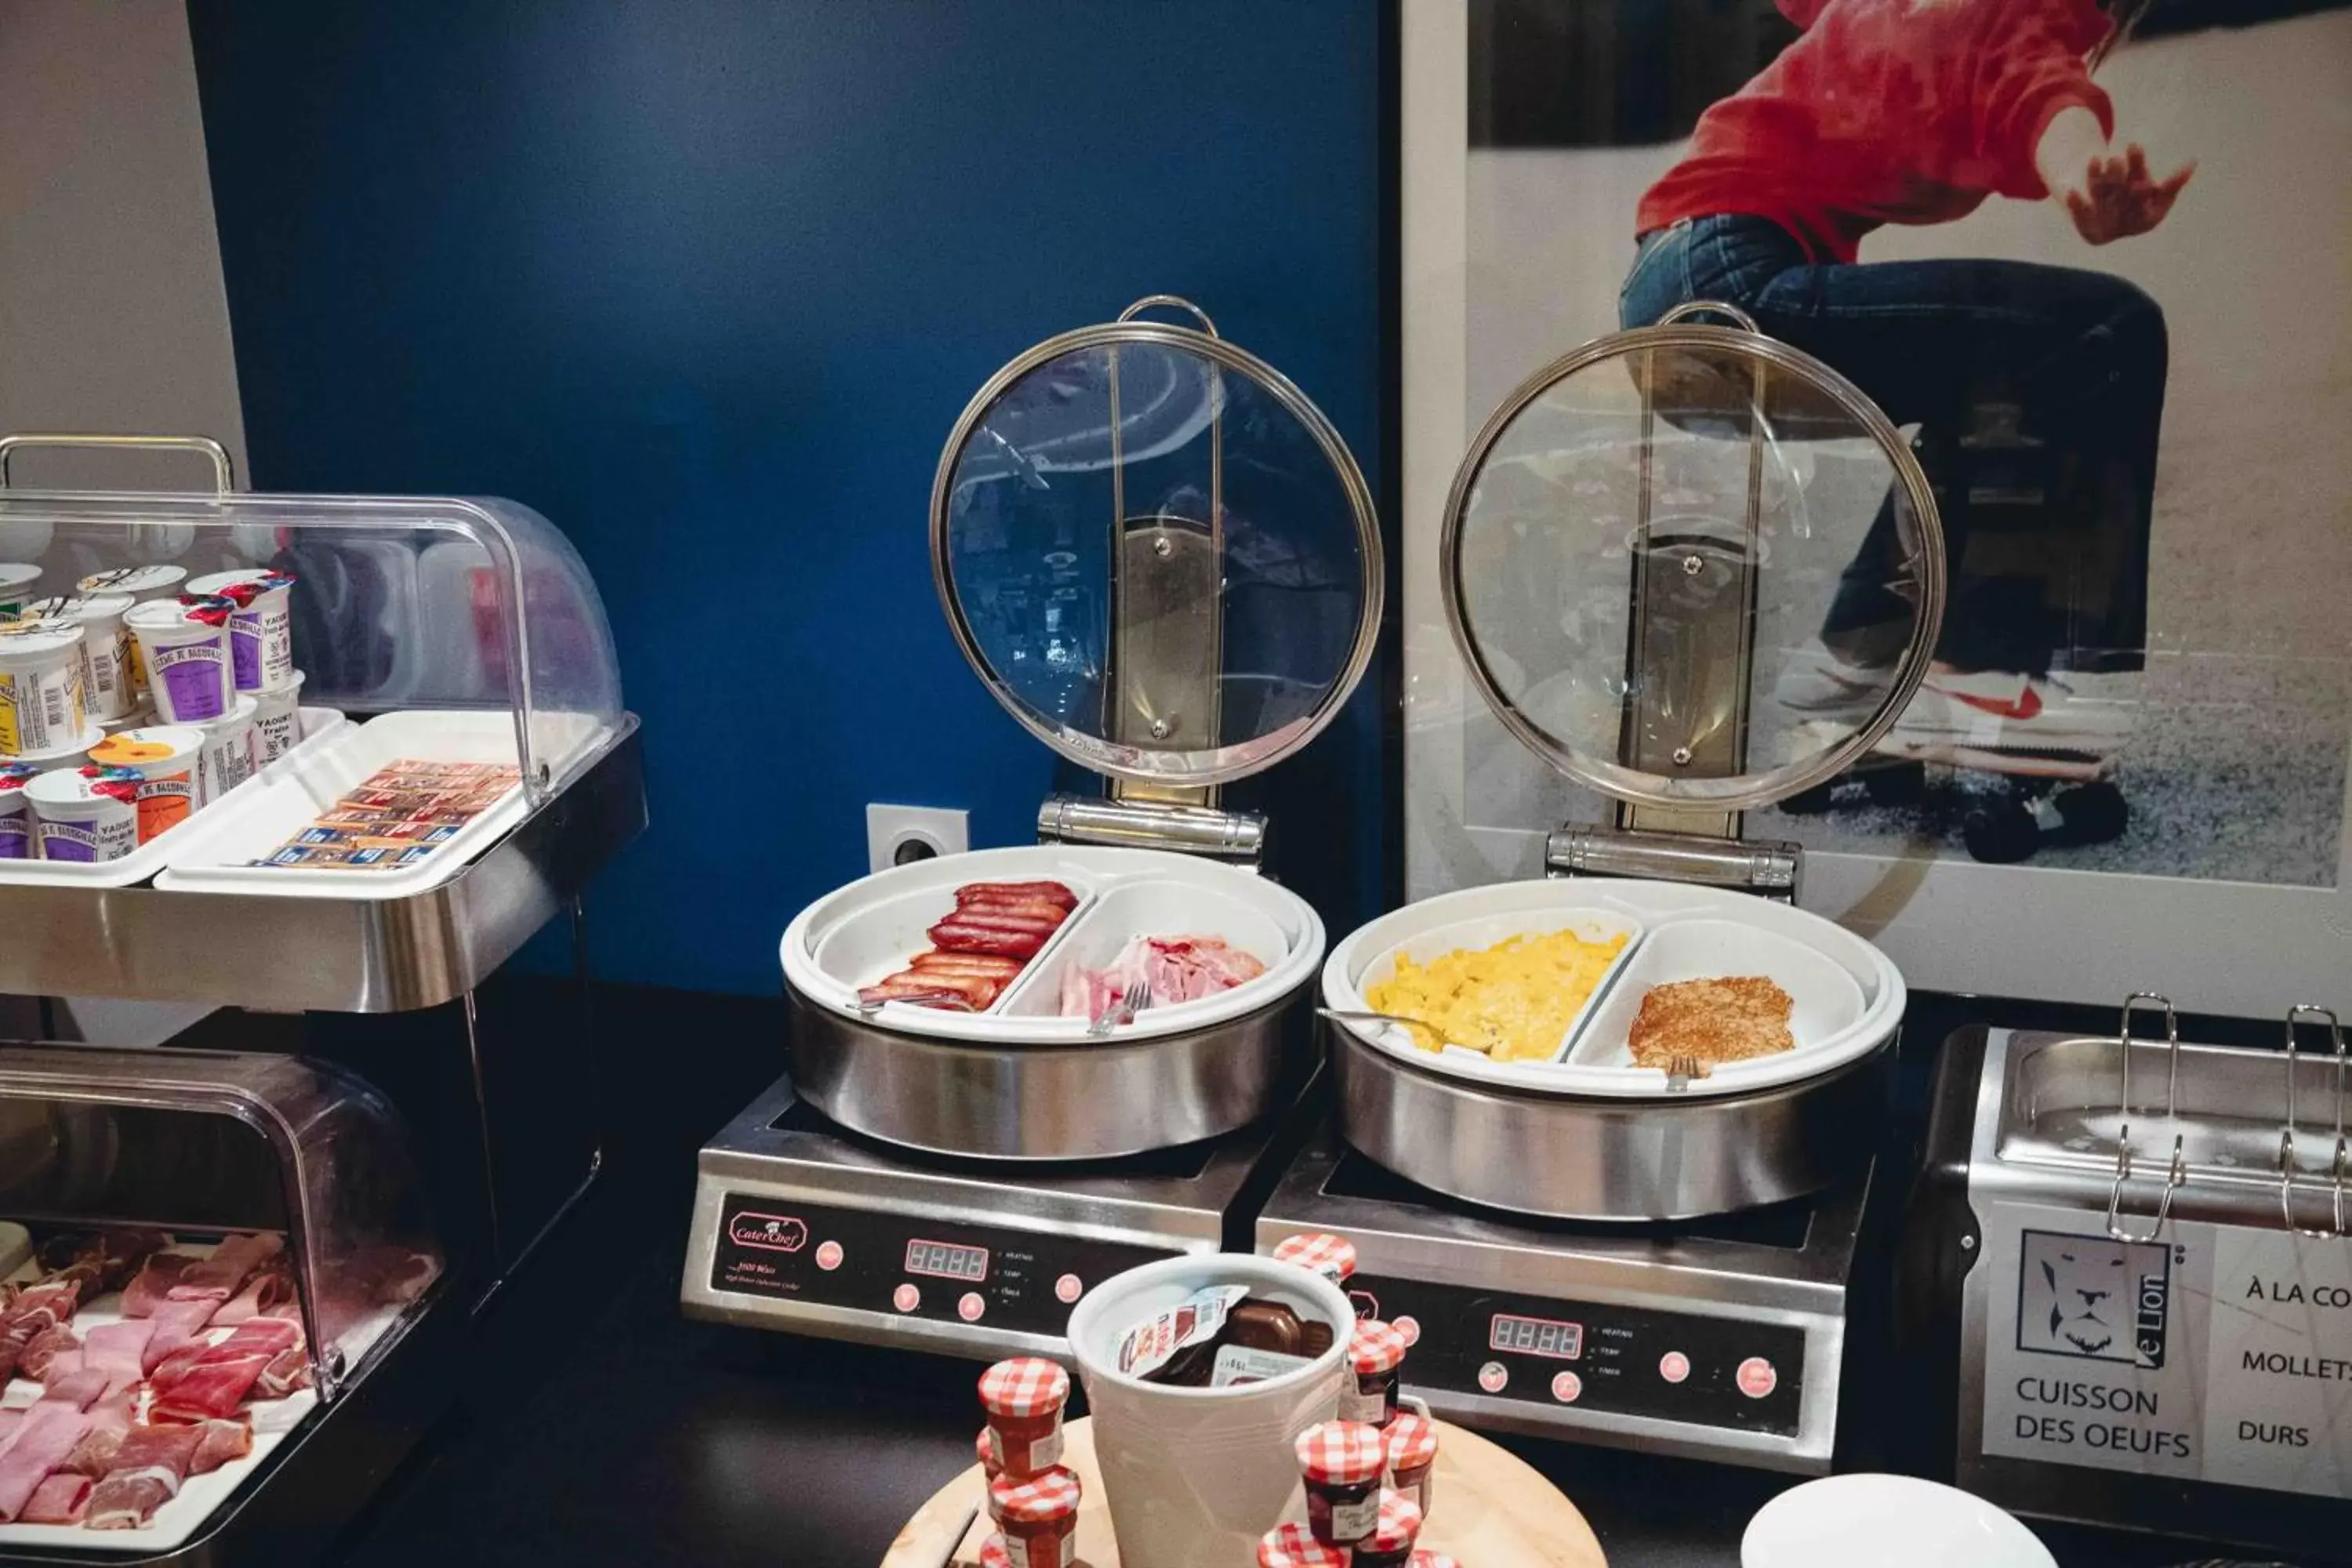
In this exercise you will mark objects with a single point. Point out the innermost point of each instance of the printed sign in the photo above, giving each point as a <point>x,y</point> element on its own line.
<point>2211,1353</point>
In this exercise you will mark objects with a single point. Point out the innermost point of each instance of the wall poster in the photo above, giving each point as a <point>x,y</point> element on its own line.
<point>2088,255</point>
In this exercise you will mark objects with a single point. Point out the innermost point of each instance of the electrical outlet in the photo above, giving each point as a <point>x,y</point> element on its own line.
<point>900,834</point>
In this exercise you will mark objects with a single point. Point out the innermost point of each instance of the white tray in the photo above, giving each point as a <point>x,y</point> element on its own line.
<point>320,725</point>
<point>218,855</point>
<point>1809,957</point>
<point>199,1496</point>
<point>858,934</point>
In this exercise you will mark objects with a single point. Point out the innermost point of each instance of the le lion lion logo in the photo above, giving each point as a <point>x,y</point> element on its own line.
<point>2093,1299</point>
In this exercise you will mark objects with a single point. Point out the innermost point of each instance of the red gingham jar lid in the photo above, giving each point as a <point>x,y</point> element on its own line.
<point>1041,1499</point>
<point>1434,1560</point>
<point>1399,1523</point>
<point>1413,1443</point>
<point>1291,1546</point>
<point>1319,1252</point>
<point>993,1554</point>
<point>1025,1385</point>
<point>1375,1346</point>
<point>1341,1453</point>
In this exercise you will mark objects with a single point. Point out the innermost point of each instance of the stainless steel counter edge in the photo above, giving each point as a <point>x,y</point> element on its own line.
<point>337,955</point>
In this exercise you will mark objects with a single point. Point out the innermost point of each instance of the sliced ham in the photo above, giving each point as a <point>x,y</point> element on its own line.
<point>43,1348</point>
<point>222,1441</point>
<point>233,1262</point>
<point>1175,968</point>
<point>148,1289</point>
<point>177,1324</point>
<point>147,1473</point>
<point>287,1371</point>
<point>80,1389</point>
<point>48,1434</point>
<point>59,1499</point>
<point>264,1337</point>
<point>110,1422</point>
<point>207,1391</point>
<point>265,1292</point>
<point>115,1349</point>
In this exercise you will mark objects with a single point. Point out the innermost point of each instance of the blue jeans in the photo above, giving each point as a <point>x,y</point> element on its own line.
<point>2064,367</point>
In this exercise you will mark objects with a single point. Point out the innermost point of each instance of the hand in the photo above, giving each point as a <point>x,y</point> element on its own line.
<point>2119,198</point>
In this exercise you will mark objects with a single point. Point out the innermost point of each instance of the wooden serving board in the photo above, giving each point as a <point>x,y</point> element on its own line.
<point>1492,1512</point>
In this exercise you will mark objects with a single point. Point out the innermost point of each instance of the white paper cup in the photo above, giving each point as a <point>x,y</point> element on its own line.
<point>142,582</point>
<point>168,759</point>
<point>231,752</point>
<point>75,818</point>
<point>17,580</point>
<point>107,686</point>
<point>277,722</point>
<point>186,657</point>
<point>261,632</point>
<point>41,701</point>
<point>1195,1476</point>
<point>15,812</point>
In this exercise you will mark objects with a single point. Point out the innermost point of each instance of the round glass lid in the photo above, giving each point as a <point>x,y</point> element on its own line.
<point>1690,566</point>
<point>1157,553</point>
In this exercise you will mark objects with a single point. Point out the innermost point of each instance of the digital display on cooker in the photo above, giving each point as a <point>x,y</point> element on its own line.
<point>1536,1336</point>
<point>945,1261</point>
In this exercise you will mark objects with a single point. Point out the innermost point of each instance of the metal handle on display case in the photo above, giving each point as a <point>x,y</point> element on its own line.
<point>223,471</point>
<point>2178,1171</point>
<point>2336,1171</point>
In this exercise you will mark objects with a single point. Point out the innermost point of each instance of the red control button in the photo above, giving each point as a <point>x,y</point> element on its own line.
<point>1492,1376</point>
<point>905,1298</point>
<point>1756,1378</point>
<point>971,1307</point>
<point>828,1256</point>
<point>1068,1288</point>
<point>1410,1327</point>
<point>1674,1366</point>
<point>1568,1388</point>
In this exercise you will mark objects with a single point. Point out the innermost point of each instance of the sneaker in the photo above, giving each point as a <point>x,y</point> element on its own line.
<point>2006,722</point>
<point>1817,684</point>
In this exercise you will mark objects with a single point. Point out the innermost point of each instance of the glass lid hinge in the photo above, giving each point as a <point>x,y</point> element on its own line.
<point>1768,869</point>
<point>1237,837</point>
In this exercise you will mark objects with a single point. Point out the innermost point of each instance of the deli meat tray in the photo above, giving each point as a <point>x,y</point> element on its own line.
<point>1034,942</point>
<point>302,835</point>
<point>319,727</point>
<point>109,1353</point>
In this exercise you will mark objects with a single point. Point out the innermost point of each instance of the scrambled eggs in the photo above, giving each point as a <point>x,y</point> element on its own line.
<point>1513,1000</point>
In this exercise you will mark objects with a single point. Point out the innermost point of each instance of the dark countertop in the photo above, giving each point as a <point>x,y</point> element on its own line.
<point>606,1429</point>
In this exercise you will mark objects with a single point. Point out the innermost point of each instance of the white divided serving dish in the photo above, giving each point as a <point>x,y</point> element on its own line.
<point>320,726</point>
<point>1847,998</point>
<point>217,855</point>
<point>858,934</point>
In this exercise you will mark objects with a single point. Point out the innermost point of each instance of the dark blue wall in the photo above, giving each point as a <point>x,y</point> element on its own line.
<point>707,284</point>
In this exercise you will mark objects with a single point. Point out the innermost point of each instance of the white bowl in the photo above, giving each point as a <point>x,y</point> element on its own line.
<point>1887,1521</point>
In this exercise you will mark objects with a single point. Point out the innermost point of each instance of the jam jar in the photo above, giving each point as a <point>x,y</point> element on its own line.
<point>1389,1545</point>
<point>1341,1461</point>
<point>1374,1353</point>
<point>1434,1560</point>
<point>1038,1518</point>
<point>1023,1398</point>
<point>1320,1252</point>
<point>1291,1546</point>
<point>1412,1456</point>
<point>993,1554</point>
<point>985,1445</point>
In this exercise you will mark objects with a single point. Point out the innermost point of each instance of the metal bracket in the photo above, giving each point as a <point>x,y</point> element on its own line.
<point>1770,869</point>
<point>1237,837</point>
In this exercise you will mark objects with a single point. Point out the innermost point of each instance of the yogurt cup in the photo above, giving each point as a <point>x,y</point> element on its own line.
<point>88,816</point>
<point>184,647</point>
<point>15,812</point>
<point>105,649</point>
<point>142,582</point>
<point>17,580</point>
<point>167,759</point>
<point>230,753</point>
<point>261,630</point>
<point>277,722</point>
<point>41,700</point>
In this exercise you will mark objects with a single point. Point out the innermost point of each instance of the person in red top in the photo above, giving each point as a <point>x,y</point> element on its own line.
<point>1914,111</point>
